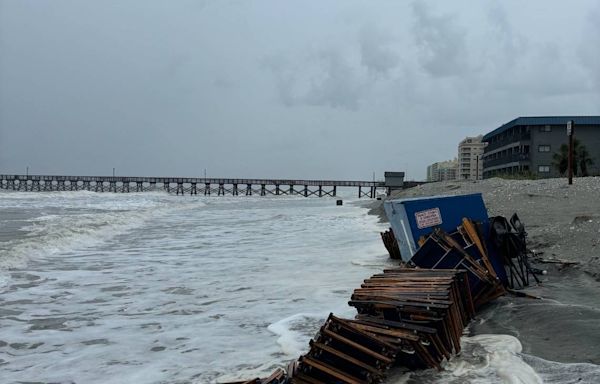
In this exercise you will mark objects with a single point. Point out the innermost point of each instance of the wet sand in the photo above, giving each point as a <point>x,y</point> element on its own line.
<point>563,222</point>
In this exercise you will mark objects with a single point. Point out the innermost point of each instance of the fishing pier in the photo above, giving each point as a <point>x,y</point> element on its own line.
<point>200,186</point>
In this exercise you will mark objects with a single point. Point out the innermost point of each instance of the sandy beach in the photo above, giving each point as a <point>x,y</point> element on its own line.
<point>563,223</point>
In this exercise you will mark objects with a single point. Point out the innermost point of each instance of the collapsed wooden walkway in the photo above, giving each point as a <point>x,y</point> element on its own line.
<point>410,317</point>
<point>406,317</point>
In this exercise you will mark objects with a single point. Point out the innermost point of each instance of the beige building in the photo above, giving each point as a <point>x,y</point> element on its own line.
<point>470,158</point>
<point>443,170</point>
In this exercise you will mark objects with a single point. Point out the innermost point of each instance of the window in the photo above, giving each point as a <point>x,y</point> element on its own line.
<point>543,168</point>
<point>546,128</point>
<point>543,148</point>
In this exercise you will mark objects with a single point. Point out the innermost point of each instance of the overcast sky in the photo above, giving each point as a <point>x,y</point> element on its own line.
<point>290,89</point>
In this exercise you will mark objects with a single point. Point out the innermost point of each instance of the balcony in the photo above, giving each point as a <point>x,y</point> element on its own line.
<point>512,158</point>
<point>508,140</point>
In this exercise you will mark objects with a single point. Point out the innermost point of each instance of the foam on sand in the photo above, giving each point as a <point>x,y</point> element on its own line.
<point>483,359</point>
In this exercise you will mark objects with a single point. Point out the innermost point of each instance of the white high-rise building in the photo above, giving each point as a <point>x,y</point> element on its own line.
<point>442,171</point>
<point>470,158</point>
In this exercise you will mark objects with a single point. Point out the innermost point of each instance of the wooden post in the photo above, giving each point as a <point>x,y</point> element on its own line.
<point>359,191</point>
<point>306,191</point>
<point>320,191</point>
<point>570,133</point>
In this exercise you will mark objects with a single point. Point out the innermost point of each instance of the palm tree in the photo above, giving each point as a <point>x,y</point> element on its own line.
<point>584,159</point>
<point>581,157</point>
<point>560,159</point>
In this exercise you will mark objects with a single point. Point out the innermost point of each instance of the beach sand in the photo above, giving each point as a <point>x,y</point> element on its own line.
<point>563,222</point>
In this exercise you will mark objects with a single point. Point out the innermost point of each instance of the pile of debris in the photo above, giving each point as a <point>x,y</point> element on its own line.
<point>463,249</point>
<point>406,317</point>
<point>414,316</point>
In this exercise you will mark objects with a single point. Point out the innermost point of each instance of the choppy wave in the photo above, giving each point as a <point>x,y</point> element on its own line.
<point>54,222</point>
<point>154,287</point>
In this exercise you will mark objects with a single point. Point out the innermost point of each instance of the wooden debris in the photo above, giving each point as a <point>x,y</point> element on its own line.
<point>463,249</point>
<point>391,244</point>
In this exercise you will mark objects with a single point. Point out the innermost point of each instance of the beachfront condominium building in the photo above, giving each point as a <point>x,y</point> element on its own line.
<point>470,164</point>
<point>527,145</point>
<point>442,171</point>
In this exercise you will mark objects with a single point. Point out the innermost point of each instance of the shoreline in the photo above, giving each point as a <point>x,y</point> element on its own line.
<point>563,223</point>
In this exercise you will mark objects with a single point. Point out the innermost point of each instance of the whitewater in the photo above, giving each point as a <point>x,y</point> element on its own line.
<point>156,288</point>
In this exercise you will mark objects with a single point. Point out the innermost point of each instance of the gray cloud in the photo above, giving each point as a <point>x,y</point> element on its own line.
<point>375,52</point>
<point>508,45</point>
<point>324,78</point>
<point>589,49</point>
<point>441,42</point>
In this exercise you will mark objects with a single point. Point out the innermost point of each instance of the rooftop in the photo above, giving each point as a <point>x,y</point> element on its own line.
<point>544,120</point>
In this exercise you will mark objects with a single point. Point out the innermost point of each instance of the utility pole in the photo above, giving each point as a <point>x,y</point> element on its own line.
<point>27,171</point>
<point>570,133</point>
<point>113,172</point>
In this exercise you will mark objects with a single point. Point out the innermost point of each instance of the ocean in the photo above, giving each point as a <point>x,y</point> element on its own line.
<point>156,288</point>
